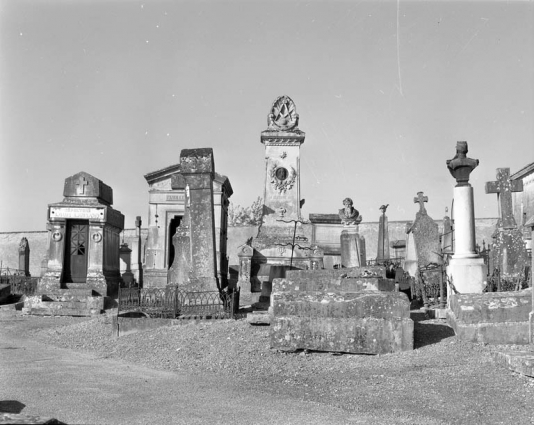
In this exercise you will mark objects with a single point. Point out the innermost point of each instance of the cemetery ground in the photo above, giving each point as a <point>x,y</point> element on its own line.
<point>224,372</point>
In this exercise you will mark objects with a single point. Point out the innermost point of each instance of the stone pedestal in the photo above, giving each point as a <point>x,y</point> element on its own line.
<point>466,268</point>
<point>383,237</point>
<point>350,247</point>
<point>468,275</point>
<point>464,223</point>
<point>125,255</point>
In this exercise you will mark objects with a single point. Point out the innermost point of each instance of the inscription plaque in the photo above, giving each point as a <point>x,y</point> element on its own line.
<point>83,213</point>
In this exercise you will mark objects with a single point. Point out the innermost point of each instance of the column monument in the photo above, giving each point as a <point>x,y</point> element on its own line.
<point>466,268</point>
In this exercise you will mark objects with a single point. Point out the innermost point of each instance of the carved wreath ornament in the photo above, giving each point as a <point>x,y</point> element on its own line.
<point>280,179</point>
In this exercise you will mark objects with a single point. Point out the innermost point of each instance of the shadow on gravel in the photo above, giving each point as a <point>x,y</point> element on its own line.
<point>429,333</point>
<point>11,406</point>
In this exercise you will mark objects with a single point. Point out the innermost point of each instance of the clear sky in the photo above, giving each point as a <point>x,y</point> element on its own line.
<point>383,89</point>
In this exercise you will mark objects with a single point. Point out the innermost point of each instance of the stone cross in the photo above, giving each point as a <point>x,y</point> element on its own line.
<point>504,187</point>
<point>421,200</point>
<point>81,185</point>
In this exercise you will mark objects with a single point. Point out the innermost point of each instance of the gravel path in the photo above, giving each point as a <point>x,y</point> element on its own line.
<point>442,381</point>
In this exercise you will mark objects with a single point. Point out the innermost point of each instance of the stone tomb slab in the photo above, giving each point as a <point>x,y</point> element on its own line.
<point>492,318</point>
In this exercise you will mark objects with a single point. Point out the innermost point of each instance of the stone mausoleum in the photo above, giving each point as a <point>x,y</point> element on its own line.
<point>83,239</point>
<point>167,206</point>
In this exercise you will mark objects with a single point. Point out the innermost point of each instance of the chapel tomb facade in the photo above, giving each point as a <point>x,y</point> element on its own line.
<point>83,250</point>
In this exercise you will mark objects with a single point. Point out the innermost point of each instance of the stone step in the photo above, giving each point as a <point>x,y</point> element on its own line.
<point>81,285</point>
<point>44,311</point>
<point>67,295</point>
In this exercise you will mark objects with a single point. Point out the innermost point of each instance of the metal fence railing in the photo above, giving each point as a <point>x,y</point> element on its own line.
<point>173,303</point>
<point>19,282</point>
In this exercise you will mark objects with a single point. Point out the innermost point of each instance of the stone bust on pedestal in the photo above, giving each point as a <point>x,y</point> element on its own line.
<point>460,166</point>
<point>349,215</point>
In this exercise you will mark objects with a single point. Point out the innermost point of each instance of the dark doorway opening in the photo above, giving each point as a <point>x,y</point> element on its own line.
<point>173,225</point>
<point>76,251</point>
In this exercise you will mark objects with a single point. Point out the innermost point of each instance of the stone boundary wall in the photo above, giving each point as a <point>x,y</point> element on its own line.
<point>9,241</point>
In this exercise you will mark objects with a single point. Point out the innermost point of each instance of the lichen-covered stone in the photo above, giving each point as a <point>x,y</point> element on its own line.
<point>492,318</point>
<point>492,307</point>
<point>349,335</point>
<point>321,284</point>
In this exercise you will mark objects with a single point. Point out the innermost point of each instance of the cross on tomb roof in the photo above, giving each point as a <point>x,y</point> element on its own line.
<point>80,185</point>
<point>504,187</point>
<point>421,200</point>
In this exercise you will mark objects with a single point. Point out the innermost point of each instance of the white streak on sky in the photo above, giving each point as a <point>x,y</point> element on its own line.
<point>398,50</point>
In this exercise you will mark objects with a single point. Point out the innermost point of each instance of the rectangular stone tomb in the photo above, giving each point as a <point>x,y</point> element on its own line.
<point>326,310</point>
<point>492,318</point>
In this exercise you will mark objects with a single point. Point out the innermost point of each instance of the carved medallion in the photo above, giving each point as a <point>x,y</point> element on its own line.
<point>281,178</point>
<point>283,114</point>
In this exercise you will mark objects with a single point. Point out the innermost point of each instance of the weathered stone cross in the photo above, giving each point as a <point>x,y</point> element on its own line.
<point>421,200</point>
<point>504,187</point>
<point>80,189</point>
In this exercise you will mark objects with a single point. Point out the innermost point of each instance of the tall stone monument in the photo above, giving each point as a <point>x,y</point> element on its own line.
<point>168,209</point>
<point>350,238</point>
<point>509,251</point>
<point>466,268</point>
<point>194,241</point>
<point>383,236</point>
<point>84,240</point>
<point>283,238</point>
<point>24,257</point>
